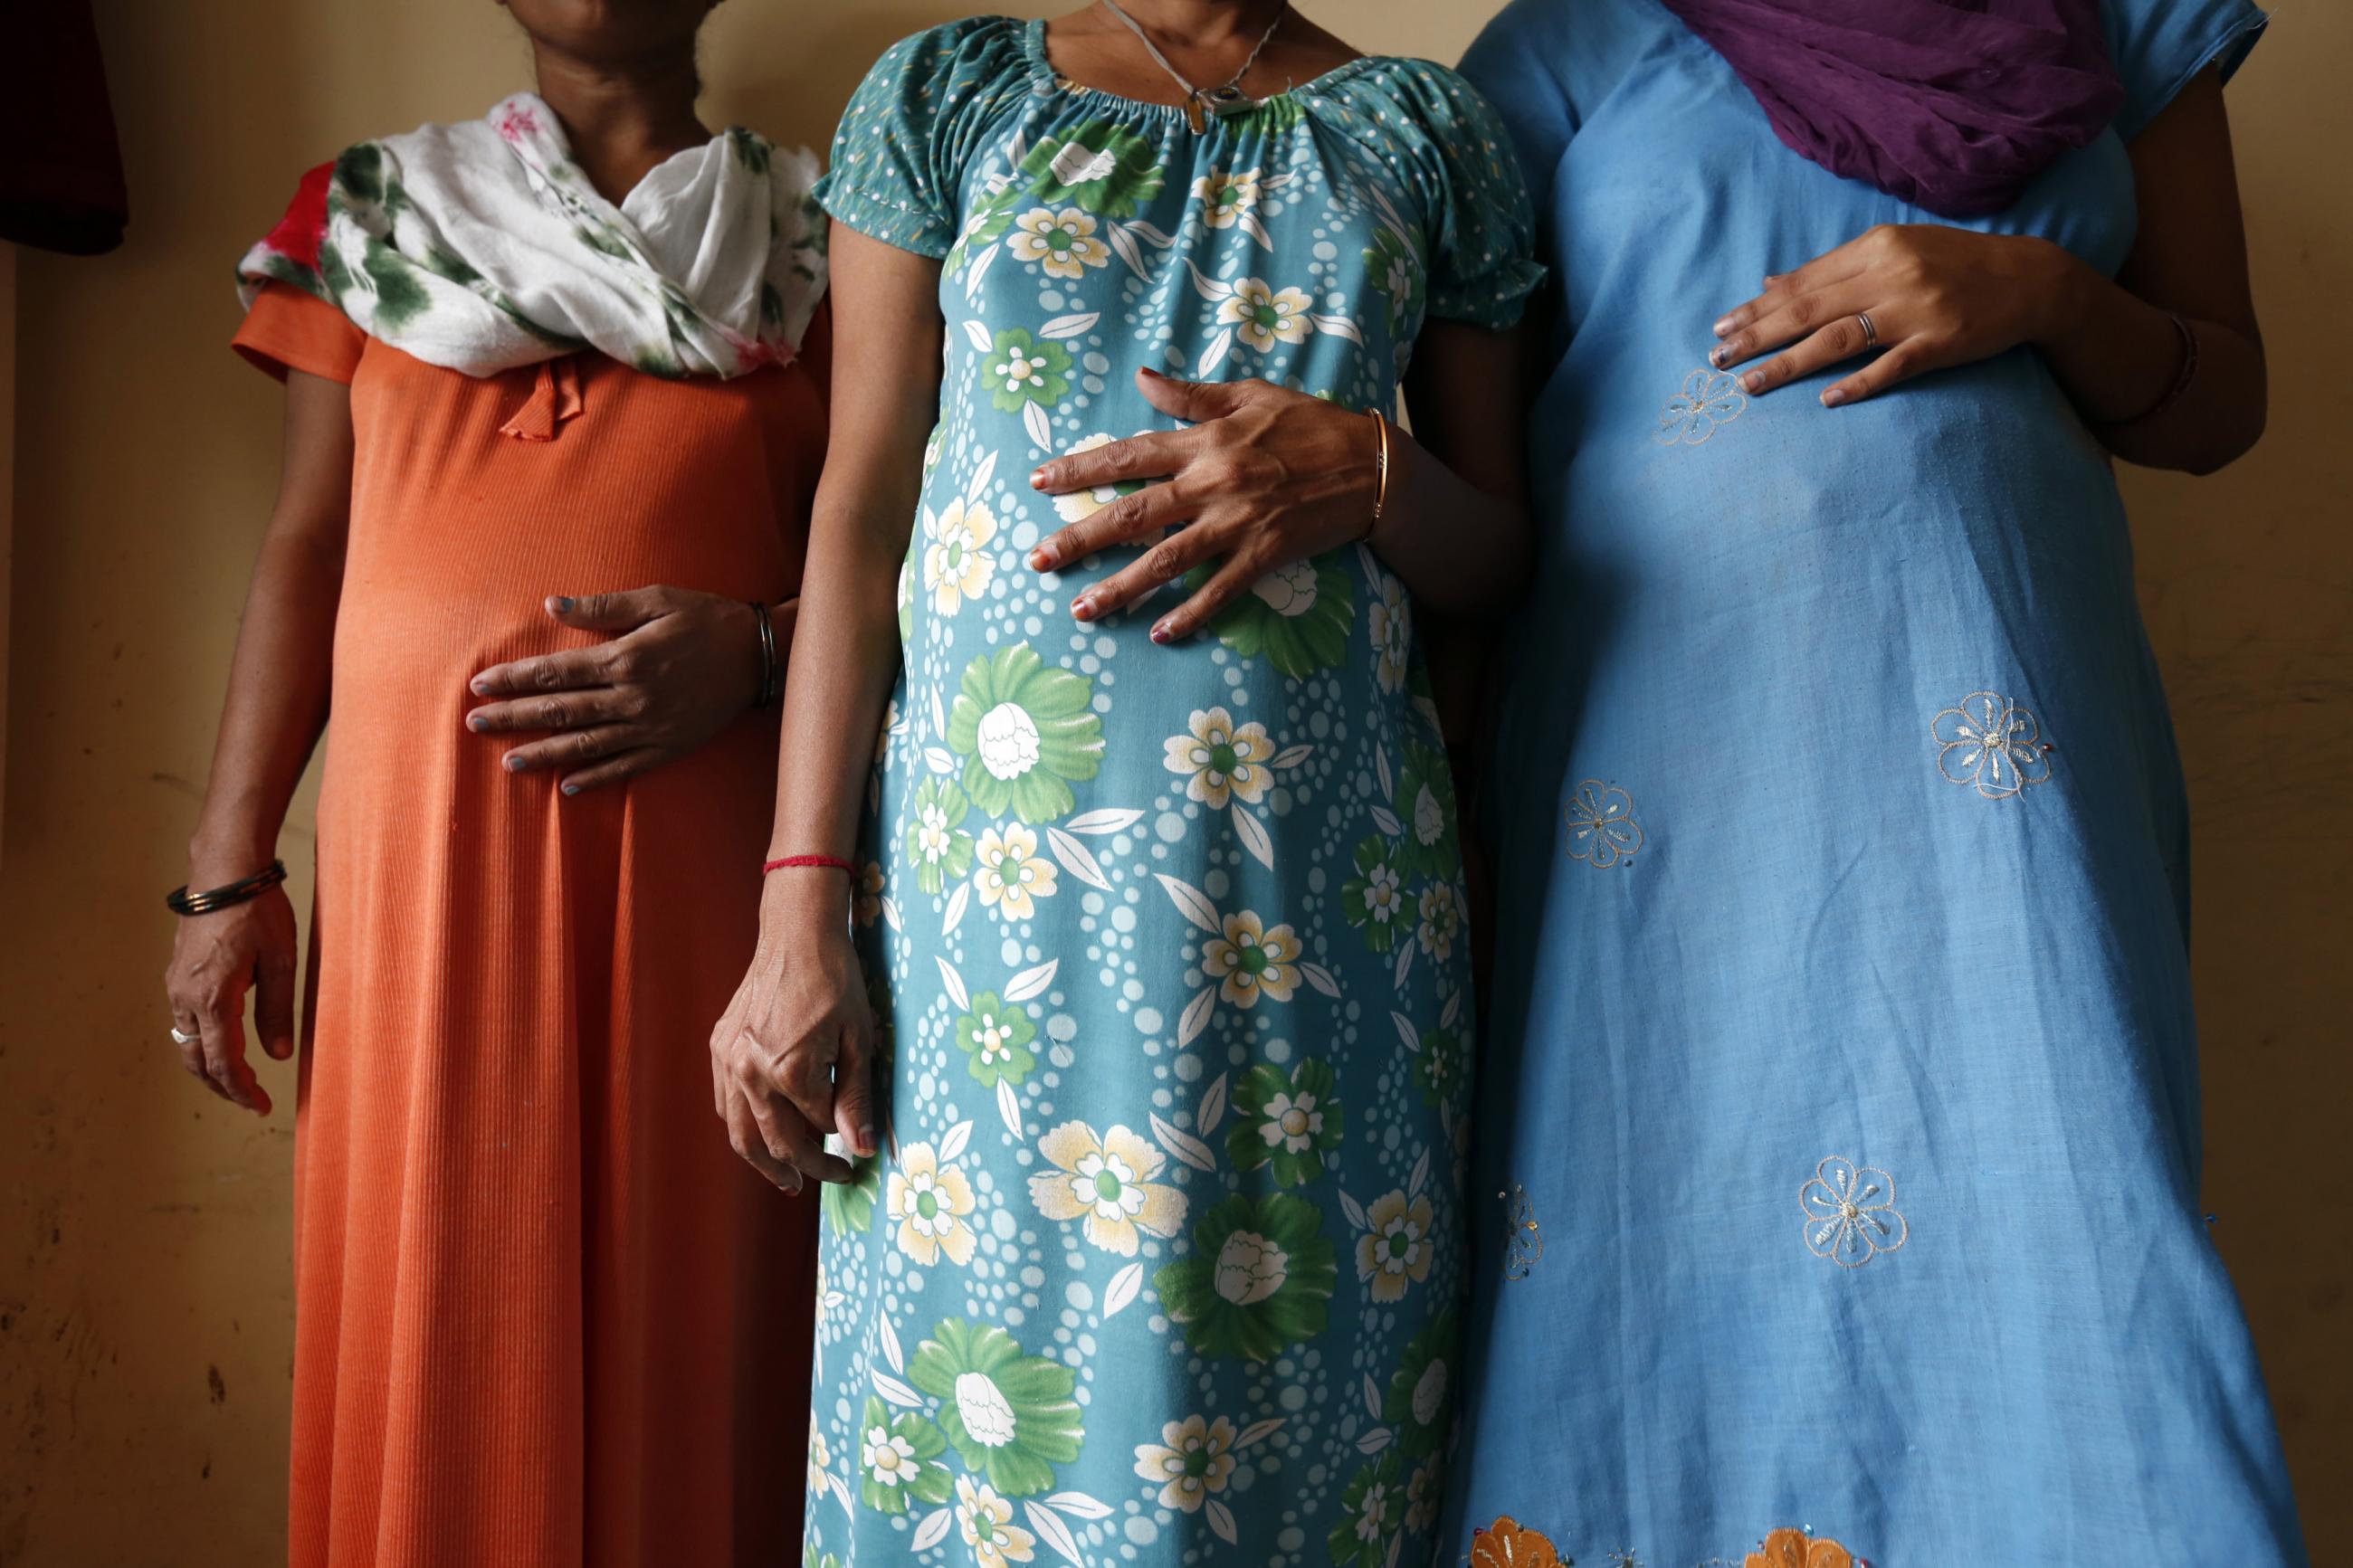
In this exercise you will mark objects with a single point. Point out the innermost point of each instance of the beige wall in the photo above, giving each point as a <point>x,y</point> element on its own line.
<point>144,1298</point>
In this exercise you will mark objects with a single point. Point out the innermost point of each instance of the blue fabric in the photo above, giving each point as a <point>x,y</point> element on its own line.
<point>1163,1262</point>
<point>1779,932</point>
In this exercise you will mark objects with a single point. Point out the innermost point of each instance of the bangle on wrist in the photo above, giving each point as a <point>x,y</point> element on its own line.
<point>1380,474</point>
<point>228,895</point>
<point>2185,371</point>
<point>771,670</point>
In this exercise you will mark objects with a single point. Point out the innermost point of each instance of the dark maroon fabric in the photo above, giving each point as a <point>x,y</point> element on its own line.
<point>60,168</point>
<point>1952,105</point>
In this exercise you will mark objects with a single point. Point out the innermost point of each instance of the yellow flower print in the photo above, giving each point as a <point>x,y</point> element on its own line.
<point>1262,318</point>
<point>988,1528</point>
<point>956,561</point>
<point>1424,1493</point>
<point>1062,244</point>
<point>1250,960</point>
<point>1011,875</point>
<point>1106,1181</point>
<point>1390,624</point>
<point>821,1459</point>
<point>1442,920</point>
<point>1227,198</point>
<point>1222,762</point>
<point>1396,1251</point>
<point>931,1202</point>
<point>1191,1461</point>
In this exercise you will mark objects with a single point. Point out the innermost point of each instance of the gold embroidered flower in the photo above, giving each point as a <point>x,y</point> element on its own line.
<point>1191,1461</point>
<point>1226,197</point>
<point>1106,1181</point>
<point>1062,244</point>
<point>987,1521</point>
<point>1263,318</point>
<point>1250,960</point>
<point>1011,874</point>
<point>931,1202</point>
<point>1796,1549</point>
<point>1221,760</point>
<point>1395,1251</point>
<point>956,561</point>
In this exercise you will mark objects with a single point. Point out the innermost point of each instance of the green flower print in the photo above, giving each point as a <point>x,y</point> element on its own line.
<point>1370,1512</point>
<point>1289,1123</point>
<point>940,850</point>
<point>1393,264</point>
<point>994,1035</point>
<point>1296,617</point>
<point>1438,1067</point>
<point>1021,371</point>
<point>812,1558</point>
<point>850,1206</point>
<point>1421,1393</point>
<point>1026,732</point>
<point>1425,803</point>
<point>1097,166</point>
<point>1260,1277</point>
<point>898,1459</point>
<point>1373,899</point>
<point>1010,1416</point>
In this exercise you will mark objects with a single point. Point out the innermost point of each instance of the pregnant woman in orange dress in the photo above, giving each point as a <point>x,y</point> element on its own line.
<point>536,363</point>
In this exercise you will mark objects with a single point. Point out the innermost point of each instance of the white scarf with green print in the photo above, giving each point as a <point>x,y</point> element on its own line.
<point>481,246</point>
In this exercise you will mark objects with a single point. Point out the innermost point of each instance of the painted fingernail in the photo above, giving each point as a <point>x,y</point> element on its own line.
<point>1754,380</point>
<point>1723,326</point>
<point>562,604</point>
<point>1833,398</point>
<point>1162,634</point>
<point>570,789</point>
<point>1038,479</point>
<point>512,764</point>
<point>476,724</point>
<point>1718,355</point>
<point>1083,608</point>
<point>1041,559</point>
<point>1154,374</point>
<point>478,688</point>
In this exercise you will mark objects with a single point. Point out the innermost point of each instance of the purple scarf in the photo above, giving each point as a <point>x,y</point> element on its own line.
<point>1953,105</point>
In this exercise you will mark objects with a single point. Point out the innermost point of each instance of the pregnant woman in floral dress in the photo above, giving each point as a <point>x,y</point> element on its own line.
<point>1152,1251</point>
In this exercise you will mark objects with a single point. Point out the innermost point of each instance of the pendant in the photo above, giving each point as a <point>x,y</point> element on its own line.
<point>1193,114</point>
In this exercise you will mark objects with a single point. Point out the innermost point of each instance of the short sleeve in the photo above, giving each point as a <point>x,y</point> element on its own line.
<point>1482,234</point>
<point>911,129</point>
<point>286,329</point>
<point>2158,46</point>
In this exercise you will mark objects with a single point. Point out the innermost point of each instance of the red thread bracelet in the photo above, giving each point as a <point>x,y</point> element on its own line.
<point>835,862</point>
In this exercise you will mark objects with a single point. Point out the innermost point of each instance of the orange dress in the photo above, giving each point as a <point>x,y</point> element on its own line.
<point>545,1315</point>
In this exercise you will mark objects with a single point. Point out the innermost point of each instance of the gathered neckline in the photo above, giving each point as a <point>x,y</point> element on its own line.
<point>1047,80</point>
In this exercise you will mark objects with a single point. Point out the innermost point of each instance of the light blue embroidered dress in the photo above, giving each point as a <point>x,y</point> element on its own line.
<point>1839,1138</point>
<point>1163,1263</point>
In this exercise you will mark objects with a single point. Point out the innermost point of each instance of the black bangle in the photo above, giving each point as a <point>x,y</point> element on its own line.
<point>2184,374</point>
<point>183,903</point>
<point>769,669</point>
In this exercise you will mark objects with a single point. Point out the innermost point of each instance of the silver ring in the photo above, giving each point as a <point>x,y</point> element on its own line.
<point>1869,332</point>
<point>180,1039</point>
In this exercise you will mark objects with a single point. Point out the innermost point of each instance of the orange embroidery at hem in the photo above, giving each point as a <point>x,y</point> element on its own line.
<point>1795,1549</point>
<point>1508,1543</point>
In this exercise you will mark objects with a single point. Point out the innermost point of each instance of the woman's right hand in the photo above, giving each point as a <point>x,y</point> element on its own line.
<point>216,959</point>
<point>792,1056</point>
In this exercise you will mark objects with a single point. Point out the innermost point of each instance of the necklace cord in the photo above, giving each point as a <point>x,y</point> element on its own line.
<point>1197,94</point>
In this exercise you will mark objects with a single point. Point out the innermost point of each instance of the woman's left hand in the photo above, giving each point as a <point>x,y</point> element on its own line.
<point>1265,476</point>
<point>684,664</point>
<point>1936,295</point>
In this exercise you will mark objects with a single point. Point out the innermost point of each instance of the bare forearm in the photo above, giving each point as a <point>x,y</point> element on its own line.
<point>845,659</point>
<point>2117,356</point>
<point>1459,549</point>
<point>277,704</point>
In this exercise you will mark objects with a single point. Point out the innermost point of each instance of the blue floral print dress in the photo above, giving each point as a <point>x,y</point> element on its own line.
<point>1160,1263</point>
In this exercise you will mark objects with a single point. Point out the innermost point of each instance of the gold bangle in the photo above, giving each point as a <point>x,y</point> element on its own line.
<point>1381,474</point>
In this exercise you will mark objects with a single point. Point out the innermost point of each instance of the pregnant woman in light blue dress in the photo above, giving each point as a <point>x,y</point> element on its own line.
<point>1839,1132</point>
<point>1155,1254</point>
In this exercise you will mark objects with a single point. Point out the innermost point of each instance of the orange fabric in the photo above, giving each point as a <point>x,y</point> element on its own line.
<point>545,1317</point>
